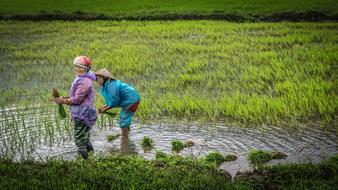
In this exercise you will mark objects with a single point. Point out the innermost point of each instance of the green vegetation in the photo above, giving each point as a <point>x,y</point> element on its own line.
<point>22,129</point>
<point>112,137</point>
<point>215,157</point>
<point>62,111</point>
<point>295,176</point>
<point>130,172</point>
<point>243,73</point>
<point>110,114</point>
<point>147,142</point>
<point>271,73</point>
<point>174,9</point>
<point>177,145</point>
<point>259,156</point>
<point>115,172</point>
<point>160,155</point>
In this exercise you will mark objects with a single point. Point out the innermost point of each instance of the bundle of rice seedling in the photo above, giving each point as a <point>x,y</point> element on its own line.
<point>111,114</point>
<point>62,112</point>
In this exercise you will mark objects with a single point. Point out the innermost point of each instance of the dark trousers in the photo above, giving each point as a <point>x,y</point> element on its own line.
<point>81,134</point>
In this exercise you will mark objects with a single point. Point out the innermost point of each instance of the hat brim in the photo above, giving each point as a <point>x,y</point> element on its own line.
<point>102,75</point>
<point>104,72</point>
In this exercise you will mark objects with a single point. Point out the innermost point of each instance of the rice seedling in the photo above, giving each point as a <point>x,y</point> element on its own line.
<point>110,114</point>
<point>62,112</point>
<point>259,156</point>
<point>147,142</point>
<point>249,73</point>
<point>215,157</point>
<point>177,145</point>
<point>112,137</point>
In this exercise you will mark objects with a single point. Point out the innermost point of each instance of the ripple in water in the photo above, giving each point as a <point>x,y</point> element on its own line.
<point>303,144</point>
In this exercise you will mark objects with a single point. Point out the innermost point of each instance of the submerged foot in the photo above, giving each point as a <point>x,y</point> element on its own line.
<point>83,153</point>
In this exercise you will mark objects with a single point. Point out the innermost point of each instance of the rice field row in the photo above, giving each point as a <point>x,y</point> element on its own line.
<point>22,129</point>
<point>161,7</point>
<point>277,73</point>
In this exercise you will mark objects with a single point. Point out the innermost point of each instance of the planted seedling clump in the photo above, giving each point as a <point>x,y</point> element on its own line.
<point>177,145</point>
<point>112,137</point>
<point>215,157</point>
<point>147,142</point>
<point>259,156</point>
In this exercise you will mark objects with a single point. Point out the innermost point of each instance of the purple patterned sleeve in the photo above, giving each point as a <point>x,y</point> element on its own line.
<point>81,91</point>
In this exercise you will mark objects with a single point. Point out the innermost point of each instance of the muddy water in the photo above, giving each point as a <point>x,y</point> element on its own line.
<point>304,144</point>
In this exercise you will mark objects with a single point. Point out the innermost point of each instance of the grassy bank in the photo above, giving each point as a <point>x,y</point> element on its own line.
<point>132,172</point>
<point>295,176</point>
<point>150,9</point>
<point>281,73</point>
<point>116,172</point>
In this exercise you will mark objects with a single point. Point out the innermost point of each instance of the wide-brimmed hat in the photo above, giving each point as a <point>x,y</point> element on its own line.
<point>105,73</point>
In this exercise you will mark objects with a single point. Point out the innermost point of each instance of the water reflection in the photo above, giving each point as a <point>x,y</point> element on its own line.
<point>38,134</point>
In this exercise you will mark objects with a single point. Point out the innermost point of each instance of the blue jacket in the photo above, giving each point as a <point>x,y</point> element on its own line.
<point>119,94</point>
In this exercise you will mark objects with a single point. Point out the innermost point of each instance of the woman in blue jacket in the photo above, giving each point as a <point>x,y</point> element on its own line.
<point>118,94</point>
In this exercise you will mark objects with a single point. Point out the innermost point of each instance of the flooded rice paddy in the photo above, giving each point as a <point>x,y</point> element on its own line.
<point>37,133</point>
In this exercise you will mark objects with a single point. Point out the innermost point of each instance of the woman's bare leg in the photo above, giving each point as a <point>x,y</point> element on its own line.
<point>125,131</point>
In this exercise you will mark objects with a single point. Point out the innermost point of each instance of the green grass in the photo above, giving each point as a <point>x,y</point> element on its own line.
<point>124,8</point>
<point>134,172</point>
<point>296,176</point>
<point>115,172</point>
<point>272,73</point>
<point>160,155</point>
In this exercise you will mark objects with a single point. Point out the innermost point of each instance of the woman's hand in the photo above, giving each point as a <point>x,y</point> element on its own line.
<point>100,110</point>
<point>103,109</point>
<point>62,100</point>
<point>59,100</point>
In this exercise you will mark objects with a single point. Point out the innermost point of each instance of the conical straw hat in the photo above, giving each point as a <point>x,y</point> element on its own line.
<point>104,72</point>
